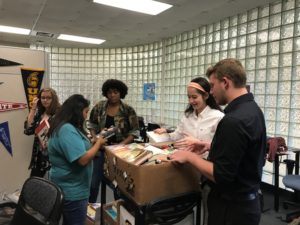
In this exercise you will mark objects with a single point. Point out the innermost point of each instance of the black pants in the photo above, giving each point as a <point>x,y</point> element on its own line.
<point>37,172</point>
<point>232,212</point>
<point>96,177</point>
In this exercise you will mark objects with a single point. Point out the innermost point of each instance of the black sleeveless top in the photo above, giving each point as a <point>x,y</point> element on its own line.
<point>108,123</point>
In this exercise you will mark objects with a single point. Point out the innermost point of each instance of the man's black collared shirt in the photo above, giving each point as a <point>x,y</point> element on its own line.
<point>238,147</point>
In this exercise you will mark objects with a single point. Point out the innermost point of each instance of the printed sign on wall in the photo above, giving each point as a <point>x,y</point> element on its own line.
<point>149,91</point>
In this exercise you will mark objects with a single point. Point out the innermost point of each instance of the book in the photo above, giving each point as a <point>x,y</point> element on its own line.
<point>112,213</point>
<point>142,158</point>
<point>156,138</point>
<point>154,150</point>
<point>157,159</point>
<point>41,132</point>
<point>93,211</point>
<point>131,155</point>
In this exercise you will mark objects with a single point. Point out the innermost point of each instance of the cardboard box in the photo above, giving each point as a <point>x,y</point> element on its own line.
<point>146,183</point>
<point>111,212</point>
<point>126,218</point>
<point>90,222</point>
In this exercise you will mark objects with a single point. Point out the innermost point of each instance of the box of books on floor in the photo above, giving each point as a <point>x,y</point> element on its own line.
<point>111,212</point>
<point>144,173</point>
<point>126,218</point>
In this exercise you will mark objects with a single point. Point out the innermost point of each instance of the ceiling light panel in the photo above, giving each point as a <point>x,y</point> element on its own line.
<point>80,39</point>
<point>14,30</point>
<point>143,6</point>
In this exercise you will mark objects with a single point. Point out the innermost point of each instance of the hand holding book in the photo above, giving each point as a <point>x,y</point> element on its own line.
<point>41,132</point>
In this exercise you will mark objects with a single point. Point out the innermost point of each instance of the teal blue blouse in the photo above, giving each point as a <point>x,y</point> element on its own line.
<point>65,147</point>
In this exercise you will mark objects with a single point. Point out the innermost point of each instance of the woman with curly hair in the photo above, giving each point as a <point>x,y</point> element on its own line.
<point>44,107</point>
<point>107,113</point>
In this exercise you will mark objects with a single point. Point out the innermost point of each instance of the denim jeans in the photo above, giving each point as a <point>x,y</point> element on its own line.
<point>96,177</point>
<point>74,212</point>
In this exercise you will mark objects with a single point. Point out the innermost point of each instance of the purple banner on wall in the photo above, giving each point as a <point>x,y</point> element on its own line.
<point>5,137</point>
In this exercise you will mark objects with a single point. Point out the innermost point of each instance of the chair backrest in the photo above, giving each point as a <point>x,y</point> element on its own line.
<point>275,145</point>
<point>152,126</point>
<point>40,203</point>
<point>142,128</point>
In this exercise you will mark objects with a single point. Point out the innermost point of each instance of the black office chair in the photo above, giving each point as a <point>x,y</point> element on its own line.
<point>143,129</point>
<point>292,182</point>
<point>167,211</point>
<point>40,203</point>
<point>152,126</point>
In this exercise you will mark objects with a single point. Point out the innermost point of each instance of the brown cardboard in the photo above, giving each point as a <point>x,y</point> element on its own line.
<point>146,183</point>
<point>88,221</point>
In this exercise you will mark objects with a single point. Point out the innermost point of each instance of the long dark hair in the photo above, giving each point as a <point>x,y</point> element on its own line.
<point>54,106</point>
<point>210,101</point>
<point>71,112</point>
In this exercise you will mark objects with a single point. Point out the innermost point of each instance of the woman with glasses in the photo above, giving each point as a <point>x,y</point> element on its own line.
<point>44,106</point>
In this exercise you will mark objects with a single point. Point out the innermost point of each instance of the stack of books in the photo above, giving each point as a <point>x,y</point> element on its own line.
<point>93,211</point>
<point>158,138</point>
<point>134,153</point>
<point>138,154</point>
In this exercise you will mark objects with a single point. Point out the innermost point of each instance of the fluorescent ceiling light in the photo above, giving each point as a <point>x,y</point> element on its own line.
<point>80,39</point>
<point>144,6</point>
<point>14,30</point>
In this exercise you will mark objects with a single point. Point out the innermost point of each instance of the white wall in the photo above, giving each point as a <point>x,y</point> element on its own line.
<point>14,169</point>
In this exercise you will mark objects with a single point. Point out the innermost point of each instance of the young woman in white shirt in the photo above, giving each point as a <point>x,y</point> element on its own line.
<point>198,125</point>
<point>201,117</point>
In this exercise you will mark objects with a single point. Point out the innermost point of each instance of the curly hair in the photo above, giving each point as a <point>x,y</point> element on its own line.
<point>210,101</point>
<point>54,106</point>
<point>115,84</point>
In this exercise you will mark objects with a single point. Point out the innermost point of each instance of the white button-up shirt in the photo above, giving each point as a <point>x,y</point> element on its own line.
<point>202,127</point>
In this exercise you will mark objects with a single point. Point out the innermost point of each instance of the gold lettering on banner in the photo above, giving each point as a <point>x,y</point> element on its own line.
<point>32,91</point>
<point>33,79</point>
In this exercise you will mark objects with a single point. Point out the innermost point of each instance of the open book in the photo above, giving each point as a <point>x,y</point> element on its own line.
<point>142,158</point>
<point>41,132</point>
<point>133,153</point>
<point>156,138</point>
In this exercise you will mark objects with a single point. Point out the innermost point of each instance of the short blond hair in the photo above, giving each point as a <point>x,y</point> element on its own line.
<point>230,68</point>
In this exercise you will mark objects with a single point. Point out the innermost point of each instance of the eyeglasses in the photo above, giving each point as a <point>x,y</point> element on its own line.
<point>46,98</point>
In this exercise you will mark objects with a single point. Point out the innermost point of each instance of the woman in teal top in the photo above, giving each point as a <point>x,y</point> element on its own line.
<point>71,154</point>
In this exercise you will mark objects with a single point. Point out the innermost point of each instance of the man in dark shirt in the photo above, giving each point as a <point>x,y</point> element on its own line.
<point>234,166</point>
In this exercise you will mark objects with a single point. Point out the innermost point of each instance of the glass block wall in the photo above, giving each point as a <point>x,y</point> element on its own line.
<point>74,70</point>
<point>265,39</point>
